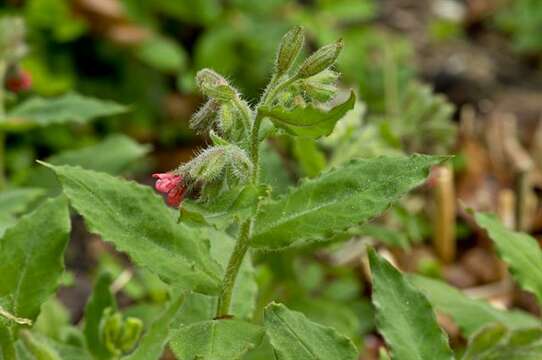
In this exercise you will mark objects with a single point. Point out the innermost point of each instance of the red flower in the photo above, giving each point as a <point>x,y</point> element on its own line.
<point>19,81</point>
<point>172,185</point>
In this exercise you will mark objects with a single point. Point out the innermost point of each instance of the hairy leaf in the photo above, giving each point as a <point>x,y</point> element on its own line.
<point>339,199</point>
<point>295,337</point>
<point>101,299</point>
<point>308,121</point>
<point>496,342</point>
<point>71,107</point>
<point>520,251</point>
<point>32,258</point>
<point>216,340</point>
<point>154,340</point>
<point>404,316</point>
<point>469,314</point>
<point>136,220</point>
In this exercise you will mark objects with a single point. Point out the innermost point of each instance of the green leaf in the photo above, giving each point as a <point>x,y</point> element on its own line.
<point>294,337</point>
<point>136,220</point>
<point>496,342</point>
<point>469,314</point>
<point>235,205</point>
<point>216,340</point>
<point>404,316</point>
<point>163,54</point>
<point>339,199</point>
<point>113,155</point>
<point>308,121</point>
<point>520,251</point>
<point>15,201</point>
<point>101,299</point>
<point>32,258</point>
<point>154,340</point>
<point>71,107</point>
<point>310,158</point>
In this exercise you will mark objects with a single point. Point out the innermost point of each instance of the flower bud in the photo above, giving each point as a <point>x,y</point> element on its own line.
<point>208,165</point>
<point>214,85</point>
<point>110,330</point>
<point>289,48</point>
<point>321,87</point>
<point>204,118</point>
<point>320,60</point>
<point>239,162</point>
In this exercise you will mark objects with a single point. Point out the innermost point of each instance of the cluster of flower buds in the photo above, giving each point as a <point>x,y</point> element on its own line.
<point>118,334</point>
<point>314,81</point>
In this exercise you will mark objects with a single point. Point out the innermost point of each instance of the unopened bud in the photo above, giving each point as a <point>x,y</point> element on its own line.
<point>321,87</point>
<point>226,118</point>
<point>216,139</point>
<point>239,162</point>
<point>289,48</point>
<point>110,330</point>
<point>208,165</point>
<point>204,118</point>
<point>320,60</point>
<point>214,85</point>
<point>131,332</point>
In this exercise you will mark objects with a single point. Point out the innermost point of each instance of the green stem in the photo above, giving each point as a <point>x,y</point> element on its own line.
<point>234,264</point>
<point>7,344</point>
<point>255,147</point>
<point>3,69</point>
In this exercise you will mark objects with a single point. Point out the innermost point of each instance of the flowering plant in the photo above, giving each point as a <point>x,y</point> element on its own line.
<point>223,213</point>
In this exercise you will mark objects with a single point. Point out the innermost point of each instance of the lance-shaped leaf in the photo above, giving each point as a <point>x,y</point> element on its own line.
<point>155,338</point>
<point>294,337</point>
<point>32,258</point>
<point>101,299</point>
<point>469,314</point>
<point>67,108</point>
<point>339,199</point>
<point>215,340</point>
<point>496,342</point>
<point>520,251</point>
<point>137,222</point>
<point>308,121</point>
<point>404,316</point>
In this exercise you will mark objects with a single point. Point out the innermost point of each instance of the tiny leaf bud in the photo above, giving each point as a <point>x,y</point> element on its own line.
<point>320,60</point>
<point>131,332</point>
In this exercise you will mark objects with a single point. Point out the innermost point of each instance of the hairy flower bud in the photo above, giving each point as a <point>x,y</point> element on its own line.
<point>320,60</point>
<point>204,118</point>
<point>215,86</point>
<point>321,87</point>
<point>207,166</point>
<point>289,48</point>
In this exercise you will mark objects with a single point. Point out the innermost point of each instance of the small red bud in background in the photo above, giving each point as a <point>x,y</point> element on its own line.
<point>19,81</point>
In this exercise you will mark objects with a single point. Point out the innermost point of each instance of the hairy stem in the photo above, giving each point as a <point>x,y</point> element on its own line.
<point>234,264</point>
<point>242,245</point>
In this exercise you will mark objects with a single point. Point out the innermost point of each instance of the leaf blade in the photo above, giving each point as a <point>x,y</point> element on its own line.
<point>294,337</point>
<point>469,314</point>
<point>520,251</point>
<point>308,121</point>
<point>135,219</point>
<point>404,316</point>
<point>32,258</point>
<point>338,199</point>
